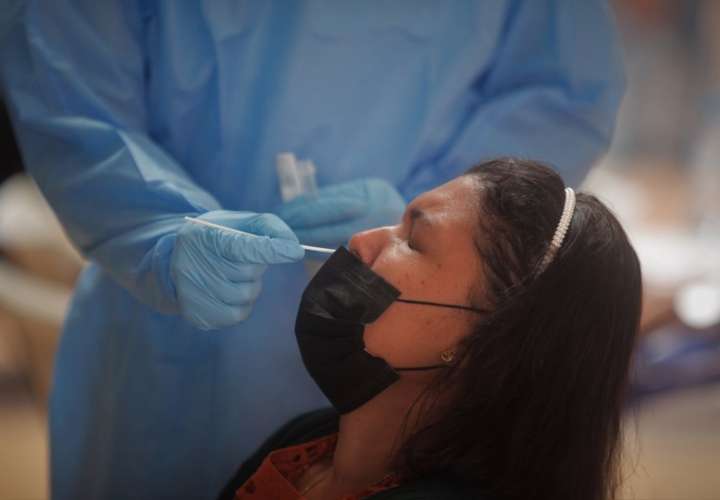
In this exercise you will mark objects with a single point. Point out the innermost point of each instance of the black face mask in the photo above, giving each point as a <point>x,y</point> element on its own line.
<point>339,301</point>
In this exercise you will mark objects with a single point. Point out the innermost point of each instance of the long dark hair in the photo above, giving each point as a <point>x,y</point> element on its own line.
<point>535,396</point>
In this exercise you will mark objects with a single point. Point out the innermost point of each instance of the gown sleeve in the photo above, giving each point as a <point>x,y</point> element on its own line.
<point>74,74</point>
<point>551,93</point>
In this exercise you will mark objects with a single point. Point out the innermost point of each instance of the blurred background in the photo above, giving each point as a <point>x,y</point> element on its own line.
<point>661,178</point>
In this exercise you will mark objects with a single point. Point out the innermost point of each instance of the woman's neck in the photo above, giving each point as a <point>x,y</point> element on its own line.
<point>368,439</point>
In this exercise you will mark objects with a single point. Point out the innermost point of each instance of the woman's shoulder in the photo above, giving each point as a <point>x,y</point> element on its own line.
<point>303,428</point>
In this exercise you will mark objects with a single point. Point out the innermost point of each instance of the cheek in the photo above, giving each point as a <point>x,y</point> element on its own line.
<point>411,335</point>
<point>398,329</point>
<point>408,335</point>
<point>398,335</point>
<point>407,271</point>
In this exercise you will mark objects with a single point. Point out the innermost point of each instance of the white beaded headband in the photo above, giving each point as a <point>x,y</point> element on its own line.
<point>562,228</point>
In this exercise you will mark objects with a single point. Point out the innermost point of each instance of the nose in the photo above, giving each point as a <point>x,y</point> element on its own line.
<point>369,244</point>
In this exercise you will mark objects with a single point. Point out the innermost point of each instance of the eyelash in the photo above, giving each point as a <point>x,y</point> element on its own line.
<point>411,244</point>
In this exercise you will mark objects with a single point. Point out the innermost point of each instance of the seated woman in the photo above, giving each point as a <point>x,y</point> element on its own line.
<point>478,349</point>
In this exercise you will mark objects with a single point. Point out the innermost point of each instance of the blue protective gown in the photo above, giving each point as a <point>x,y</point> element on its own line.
<point>133,114</point>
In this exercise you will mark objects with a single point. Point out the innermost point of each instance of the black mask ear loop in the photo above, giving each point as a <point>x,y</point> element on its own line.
<point>436,304</point>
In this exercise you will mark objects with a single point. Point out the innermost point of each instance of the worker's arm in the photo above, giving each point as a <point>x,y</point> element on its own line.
<point>552,93</point>
<point>74,74</point>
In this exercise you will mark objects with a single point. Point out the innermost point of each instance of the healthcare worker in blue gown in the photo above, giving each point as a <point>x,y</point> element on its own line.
<point>178,354</point>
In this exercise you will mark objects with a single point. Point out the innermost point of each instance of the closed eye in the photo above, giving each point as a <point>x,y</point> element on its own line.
<point>414,215</point>
<point>411,245</point>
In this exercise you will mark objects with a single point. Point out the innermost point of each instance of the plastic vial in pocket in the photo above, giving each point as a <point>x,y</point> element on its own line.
<point>297,178</point>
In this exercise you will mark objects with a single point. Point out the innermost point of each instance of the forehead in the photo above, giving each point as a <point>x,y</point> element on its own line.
<point>448,238</point>
<point>453,204</point>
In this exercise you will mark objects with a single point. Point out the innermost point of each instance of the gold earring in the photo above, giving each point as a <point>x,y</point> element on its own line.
<point>447,356</point>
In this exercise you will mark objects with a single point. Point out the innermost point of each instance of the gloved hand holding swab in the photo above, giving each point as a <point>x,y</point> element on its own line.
<point>218,261</point>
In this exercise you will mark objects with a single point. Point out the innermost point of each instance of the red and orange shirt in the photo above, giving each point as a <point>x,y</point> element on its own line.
<point>276,477</point>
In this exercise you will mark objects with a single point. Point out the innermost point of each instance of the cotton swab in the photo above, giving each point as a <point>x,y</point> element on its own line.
<point>237,231</point>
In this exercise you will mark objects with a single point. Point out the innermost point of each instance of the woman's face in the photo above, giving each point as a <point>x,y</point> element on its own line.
<point>429,255</point>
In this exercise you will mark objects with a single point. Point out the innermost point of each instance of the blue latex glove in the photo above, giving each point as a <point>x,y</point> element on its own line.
<point>339,211</point>
<point>217,274</point>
